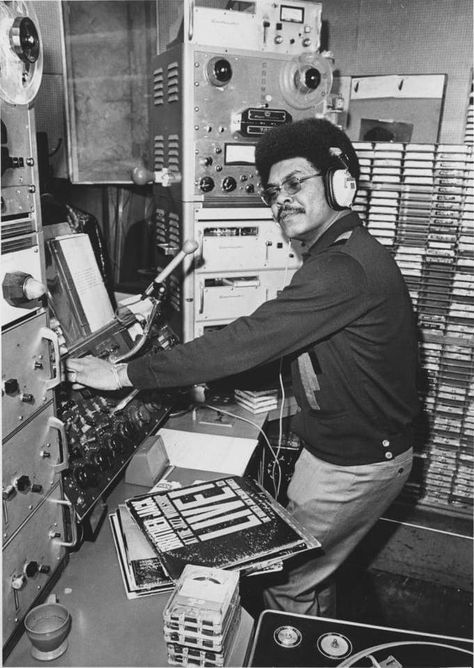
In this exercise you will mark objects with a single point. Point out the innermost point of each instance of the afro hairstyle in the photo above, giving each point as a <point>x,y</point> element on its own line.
<point>310,138</point>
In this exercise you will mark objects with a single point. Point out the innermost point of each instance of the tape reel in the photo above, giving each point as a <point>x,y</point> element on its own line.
<point>21,53</point>
<point>306,80</point>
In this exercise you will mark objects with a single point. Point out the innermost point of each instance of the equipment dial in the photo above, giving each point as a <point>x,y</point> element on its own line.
<point>206,184</point>
<point>229,184</point>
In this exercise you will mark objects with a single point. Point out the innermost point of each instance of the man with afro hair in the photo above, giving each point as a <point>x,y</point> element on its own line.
<point>346,323</point>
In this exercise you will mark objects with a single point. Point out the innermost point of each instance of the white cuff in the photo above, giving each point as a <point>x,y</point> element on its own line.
<point>121,376</point>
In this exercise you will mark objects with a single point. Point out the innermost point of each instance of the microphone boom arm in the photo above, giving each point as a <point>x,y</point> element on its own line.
<point>189,247</point>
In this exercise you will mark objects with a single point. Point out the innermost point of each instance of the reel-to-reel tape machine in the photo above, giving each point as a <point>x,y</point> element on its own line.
<point>34,531</point>
<point>21,53</point>
<point>234,76</point>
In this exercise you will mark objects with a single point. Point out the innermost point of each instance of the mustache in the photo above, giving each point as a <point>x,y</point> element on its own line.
<point>286,210</point>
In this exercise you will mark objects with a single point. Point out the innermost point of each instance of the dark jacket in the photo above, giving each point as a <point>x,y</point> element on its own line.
<point>347,315</point>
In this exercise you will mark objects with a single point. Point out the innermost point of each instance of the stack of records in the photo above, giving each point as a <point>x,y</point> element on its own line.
<point>260,401</point>
<point>229,523</point>
<point>202,616</point>
<point>140,567</point>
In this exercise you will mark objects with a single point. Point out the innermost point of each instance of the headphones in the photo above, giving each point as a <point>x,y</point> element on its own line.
<point>339,184</point>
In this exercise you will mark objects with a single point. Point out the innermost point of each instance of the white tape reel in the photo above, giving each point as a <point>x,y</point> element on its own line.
<point>306,80</point>
<point>21,53</point>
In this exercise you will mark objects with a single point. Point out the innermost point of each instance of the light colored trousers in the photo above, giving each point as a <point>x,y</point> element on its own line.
<point>338,505</point>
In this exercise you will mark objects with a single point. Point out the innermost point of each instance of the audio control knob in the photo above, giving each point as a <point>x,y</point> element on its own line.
<point>23,483</point>
<point>229,184</point>
<point>86,476</point>
<point>11,386</point>
<point>249,188</point>
<point>143,414</point>
<point>102,459</point>
<point>205,162</point>
<point>206,184</point>
<point>31,568</point>
<point>127,429</point>
<point>115,444</point>
<point>20,288</point>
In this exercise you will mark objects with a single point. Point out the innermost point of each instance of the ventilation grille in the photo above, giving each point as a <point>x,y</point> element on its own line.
<point>15,245</point>
<point>173,82</point>
<point>174,291</point>
<point>16,228</point>
<point>174,229</point>
<point>167,229</point>
<point>158,88</point>
<point>159,152</point>
<point>173,153</point>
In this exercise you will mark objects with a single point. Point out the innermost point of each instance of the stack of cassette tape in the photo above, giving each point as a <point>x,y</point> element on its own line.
<point>418,200</point>
<point>202,616</point>
<point>469,129</point>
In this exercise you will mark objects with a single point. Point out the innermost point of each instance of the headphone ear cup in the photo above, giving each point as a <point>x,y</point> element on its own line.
<point>340,188</point>
<point>328,186</point>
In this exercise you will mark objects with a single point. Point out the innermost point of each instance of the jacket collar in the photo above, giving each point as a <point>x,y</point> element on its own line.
<point>341,225</point>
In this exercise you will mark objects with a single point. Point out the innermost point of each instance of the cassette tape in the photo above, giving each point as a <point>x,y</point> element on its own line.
<point>183,655</point>
<point>202,599</point>
<point>207,641</point>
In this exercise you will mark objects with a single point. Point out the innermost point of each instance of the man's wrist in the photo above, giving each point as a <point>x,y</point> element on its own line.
<point>121,376</point>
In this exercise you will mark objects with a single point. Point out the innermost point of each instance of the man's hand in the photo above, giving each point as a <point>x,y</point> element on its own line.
<point>97,373</point>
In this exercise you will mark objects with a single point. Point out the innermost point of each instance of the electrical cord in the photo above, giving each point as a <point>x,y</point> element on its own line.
<point>276,466</point>
<point>254,424</point>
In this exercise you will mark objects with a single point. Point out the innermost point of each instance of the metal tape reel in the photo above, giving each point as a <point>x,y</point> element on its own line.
<point>306,80</point>
<point>21,53</point>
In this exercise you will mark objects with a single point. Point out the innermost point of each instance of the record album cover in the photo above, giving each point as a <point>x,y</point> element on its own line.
<point>230,523</point>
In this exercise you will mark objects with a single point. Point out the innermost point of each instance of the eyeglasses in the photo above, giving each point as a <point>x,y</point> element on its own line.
<point>290,186</point>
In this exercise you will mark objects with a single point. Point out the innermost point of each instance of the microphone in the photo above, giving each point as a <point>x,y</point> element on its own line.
<point>189,246</point>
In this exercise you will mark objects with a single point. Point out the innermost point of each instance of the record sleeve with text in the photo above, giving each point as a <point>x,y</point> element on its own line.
<point>230,523</point>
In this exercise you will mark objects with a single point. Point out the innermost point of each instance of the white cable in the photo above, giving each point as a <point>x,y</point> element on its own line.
<point>239,417</point>
<point>277,486</point>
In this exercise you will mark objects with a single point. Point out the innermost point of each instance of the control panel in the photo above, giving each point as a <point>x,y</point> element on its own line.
<point>103,429</point>
<point>269,27</point>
